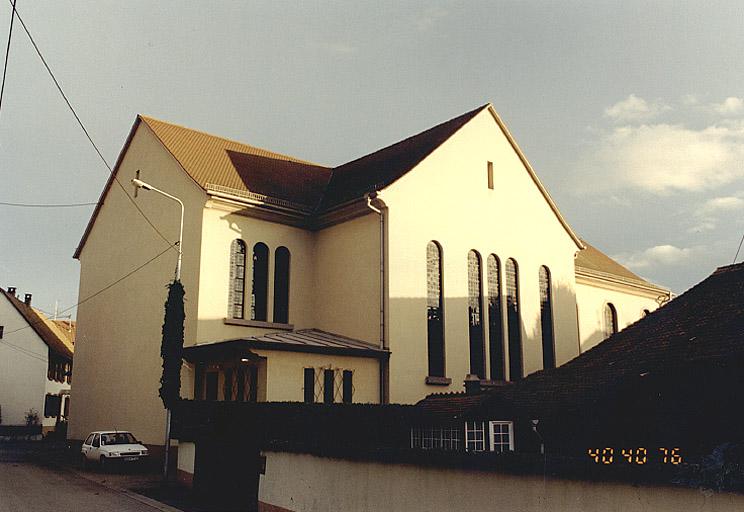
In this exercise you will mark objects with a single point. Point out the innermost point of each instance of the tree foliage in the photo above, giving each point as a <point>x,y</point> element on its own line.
<point>172,345</point>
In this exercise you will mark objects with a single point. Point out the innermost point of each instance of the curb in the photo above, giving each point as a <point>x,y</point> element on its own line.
<point>126,492</point>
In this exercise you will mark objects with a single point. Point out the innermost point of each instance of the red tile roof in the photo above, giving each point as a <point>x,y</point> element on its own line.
<point>59,340</point>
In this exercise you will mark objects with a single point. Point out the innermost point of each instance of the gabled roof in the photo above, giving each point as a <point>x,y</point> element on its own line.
<point>221,165</point>
<point>381,168</point>
<point>59,340</point>
<point>305,340</point>
<point>593,261</point>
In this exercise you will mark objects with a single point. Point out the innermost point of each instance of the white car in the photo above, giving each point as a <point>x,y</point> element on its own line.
<point>108,446</point>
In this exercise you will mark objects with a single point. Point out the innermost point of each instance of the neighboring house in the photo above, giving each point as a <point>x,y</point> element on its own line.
<point>35,363</point>
<point>380,280</point>
<point>669,385</point>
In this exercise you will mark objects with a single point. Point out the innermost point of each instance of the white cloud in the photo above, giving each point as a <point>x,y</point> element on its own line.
<point>654,256</point>
<point>430,17</point>
<point>634,109</point>
<point>706,216</point>
<point>730,106</point>
<point>664,158</point>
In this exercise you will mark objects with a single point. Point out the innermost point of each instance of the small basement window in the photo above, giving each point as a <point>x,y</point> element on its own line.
<point>2,328</point>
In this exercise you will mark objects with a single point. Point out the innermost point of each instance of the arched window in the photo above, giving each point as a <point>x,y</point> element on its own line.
<point>513,322</point>
<point>237,279</point>
<point>495,325</point>
<point>546,319</point>
<point>281,285</point>
<point>434,310</point>
<point>259,291</point>
<point>475,302</point>
<point>610,319</point>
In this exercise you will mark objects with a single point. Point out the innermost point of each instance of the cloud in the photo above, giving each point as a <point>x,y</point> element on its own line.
<point>427,19</point>
<point>706,216</point>
<point>730,106</point>
<point>654,256</point>
<point>633,109</point>
<point>665,158</point>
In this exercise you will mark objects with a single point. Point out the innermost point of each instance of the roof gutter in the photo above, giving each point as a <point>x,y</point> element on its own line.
<point>380,208</point>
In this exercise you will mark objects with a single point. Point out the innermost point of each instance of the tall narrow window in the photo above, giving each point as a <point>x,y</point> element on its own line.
<point>513,322</point>
<point>495,325</point>
<point>610,319</point>
<point>434,309</point>
<point>237,279</point>
<point>281,285</point>
<point>260,281</point>
<point>309,385</point>
<point>490,175</point>
<point>475,303</point>
<point>348,386</point>
<point>328,382</point>
<point>546,319</point>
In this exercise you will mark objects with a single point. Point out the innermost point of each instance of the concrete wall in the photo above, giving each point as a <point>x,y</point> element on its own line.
<point>305,483</point>
<point>23,367</point>
<point>446,198</point>
<point>117,352</point>
<point>591,297</point>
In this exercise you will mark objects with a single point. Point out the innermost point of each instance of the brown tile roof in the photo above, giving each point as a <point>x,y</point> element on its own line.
<point>57,339</point>
<point>212,160</point>
<point>235,168</point>
<point>594,260</point>
<point>305,340</point>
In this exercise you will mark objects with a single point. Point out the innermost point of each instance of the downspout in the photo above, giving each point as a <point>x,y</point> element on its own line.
<point>381,211</point>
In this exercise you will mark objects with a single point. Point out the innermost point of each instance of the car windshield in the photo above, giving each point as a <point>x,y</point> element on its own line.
<point>117,438</point>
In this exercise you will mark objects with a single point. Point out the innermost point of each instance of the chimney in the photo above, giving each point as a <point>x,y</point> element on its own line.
<point>12,290</point>
<point>27,299</point>
<point>472,384</point>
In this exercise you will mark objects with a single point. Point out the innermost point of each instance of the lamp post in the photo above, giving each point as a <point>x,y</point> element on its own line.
<point>146,186</point>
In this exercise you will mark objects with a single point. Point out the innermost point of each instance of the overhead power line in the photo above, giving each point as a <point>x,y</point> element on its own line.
<point>7,51</point>
<point>89,297</point>
<point>29,205</point>
<point>85,130</point>
<point>738,249</point>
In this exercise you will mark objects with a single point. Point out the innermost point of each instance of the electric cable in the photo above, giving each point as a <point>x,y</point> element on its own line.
<point>39,205</point>
<point>85,130</point>
<point>7,51</point>
<point>738,249</point>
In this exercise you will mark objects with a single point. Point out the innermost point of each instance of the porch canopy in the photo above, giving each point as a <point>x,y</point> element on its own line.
<point>307,340</point>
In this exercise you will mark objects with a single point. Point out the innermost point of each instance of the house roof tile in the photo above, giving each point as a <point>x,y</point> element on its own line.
<point>58,335</point>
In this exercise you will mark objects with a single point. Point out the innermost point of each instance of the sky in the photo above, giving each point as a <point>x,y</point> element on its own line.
<point>631,113</point>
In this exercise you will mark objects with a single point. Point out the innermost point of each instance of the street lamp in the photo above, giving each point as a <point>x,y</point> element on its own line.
<point>146,186</point>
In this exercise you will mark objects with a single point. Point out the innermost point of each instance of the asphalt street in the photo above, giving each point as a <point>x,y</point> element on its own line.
<point>27,486</point>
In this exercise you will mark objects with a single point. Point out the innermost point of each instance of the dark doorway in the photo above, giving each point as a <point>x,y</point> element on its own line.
<point>226,473</point>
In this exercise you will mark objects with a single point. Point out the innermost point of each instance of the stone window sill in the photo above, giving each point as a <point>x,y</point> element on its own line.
<point>258,323</point>
<point>438,381</point>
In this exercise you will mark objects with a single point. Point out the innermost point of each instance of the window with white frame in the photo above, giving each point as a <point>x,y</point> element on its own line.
<point>502,436</point>
<point>475,436</point>
<point>436,438</point>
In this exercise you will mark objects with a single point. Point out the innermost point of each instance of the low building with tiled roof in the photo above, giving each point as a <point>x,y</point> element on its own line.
<point>382,279</point>
<point>670,381</point>
<point>35,364</point>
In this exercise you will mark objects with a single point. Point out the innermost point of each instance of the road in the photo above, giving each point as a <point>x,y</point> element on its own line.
<point>28,486</point>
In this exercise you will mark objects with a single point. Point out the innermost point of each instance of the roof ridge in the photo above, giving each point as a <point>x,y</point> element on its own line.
<point>289,158</point>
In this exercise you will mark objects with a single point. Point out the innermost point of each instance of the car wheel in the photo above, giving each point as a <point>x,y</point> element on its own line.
<point>104,464</point>
<point>83,461</point>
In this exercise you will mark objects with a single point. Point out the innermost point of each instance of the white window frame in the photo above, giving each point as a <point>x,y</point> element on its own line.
<point>492,432</point>
<point>471,436</point>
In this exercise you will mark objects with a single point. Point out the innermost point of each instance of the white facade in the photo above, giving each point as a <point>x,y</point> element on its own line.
<point>354,274</point>
<point>24,365</point>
